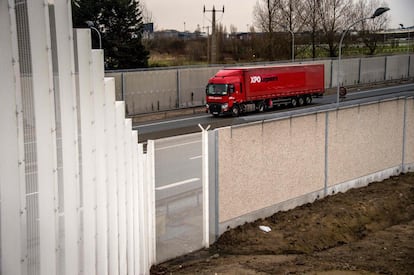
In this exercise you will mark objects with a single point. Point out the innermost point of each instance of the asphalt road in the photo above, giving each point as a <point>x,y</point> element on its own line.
<point>189,124</point>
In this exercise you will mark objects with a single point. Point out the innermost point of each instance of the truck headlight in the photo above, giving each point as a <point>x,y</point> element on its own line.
<point>207,106</point>
<point>224,106</point>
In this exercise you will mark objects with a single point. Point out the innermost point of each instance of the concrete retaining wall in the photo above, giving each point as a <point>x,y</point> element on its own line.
<point>397,67</point>
<point>276,165</point>
<point>349,73</point>
<point>372,69</point>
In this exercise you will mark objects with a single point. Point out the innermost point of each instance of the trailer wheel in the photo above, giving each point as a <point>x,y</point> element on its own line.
<point>294,102</point>
<point>261,107</point>
<point>308,99</point>
<point>301,101</point>
<point>235,111</point>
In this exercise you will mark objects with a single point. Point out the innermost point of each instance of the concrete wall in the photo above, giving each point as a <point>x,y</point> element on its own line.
<point>349,74</point>
<point>364,140</point>
<point>409,133</point>
<point>149,91</point>
<point>372,69</point>
<point>192,85</point>
<point>276,165</point>
<point>265,164</point>
<point>397,67</point>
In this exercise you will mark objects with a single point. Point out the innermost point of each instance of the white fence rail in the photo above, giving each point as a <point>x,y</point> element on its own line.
<point>75,195</point>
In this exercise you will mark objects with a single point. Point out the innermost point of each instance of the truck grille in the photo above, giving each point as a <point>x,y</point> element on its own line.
<point>215,108</point>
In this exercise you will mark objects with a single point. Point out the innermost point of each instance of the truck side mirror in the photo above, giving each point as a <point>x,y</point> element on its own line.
<point>231,88</point>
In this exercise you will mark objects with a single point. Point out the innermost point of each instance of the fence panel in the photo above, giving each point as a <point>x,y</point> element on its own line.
<point>12,174</point>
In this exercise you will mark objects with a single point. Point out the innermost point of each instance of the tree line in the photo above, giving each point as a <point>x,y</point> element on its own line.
<point>316,25</point>
<point>322,20</point>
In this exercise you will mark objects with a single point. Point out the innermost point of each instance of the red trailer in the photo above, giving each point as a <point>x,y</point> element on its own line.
<point>244,89</point>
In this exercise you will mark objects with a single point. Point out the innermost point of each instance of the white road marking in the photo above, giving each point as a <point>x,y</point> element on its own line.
<point>196,157</point>
<point>175,184</point>
<point>169,121</point>
<point>177,145</point>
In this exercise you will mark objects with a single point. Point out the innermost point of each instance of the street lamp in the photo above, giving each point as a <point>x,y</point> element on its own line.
<point>90,25</point>
<point>377,13</point>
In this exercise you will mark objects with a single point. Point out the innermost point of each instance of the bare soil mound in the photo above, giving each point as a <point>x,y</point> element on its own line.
<point>368,230</point>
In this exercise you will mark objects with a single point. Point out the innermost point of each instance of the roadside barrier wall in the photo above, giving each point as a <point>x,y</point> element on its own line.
<point>151,90</point>
<point>276,165</point>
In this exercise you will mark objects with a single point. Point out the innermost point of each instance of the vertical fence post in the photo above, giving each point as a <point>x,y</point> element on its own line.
<point>41,78</point>
<point>129,195</point>
<point>404,136</point>
<point>111,178</point>
<point>178,89</point>
<point>325,188</point>
<point>121,179</point>
<point>12,177</point>
<point>137,252</point>
<point>101,188</point>
<point>86,114</point>
<point>151,202</point>
<point>205,181</point>
<point>142,198</point>
<point>67,136</point>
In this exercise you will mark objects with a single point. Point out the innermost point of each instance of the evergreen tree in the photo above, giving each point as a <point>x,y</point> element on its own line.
<point>120,23</point>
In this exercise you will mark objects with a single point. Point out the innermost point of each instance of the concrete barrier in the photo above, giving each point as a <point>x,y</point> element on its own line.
<point>349,72</point>
<point>264,164</point>
<point>397,67</point>
<point>268,166</point>
<point>372,69</point>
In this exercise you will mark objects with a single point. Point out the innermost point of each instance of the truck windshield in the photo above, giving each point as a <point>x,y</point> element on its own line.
<point>216,89</point>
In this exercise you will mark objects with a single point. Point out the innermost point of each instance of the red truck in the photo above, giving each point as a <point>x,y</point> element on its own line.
<point>245,89</point>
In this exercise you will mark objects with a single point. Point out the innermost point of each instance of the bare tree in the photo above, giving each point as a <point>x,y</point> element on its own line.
<point>312,21</point>
<point>265,13</point>
<point>334,16</point>
<point>369,28</point>
<point>146,13</point>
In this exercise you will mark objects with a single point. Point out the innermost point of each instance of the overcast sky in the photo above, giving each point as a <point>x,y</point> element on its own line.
<point>177,14</point>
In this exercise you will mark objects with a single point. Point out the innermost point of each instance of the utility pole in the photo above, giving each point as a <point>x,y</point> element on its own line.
<point>208,43</point>
<point>213,47</point>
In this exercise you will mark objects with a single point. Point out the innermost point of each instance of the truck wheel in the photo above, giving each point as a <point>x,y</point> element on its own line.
<point>235,111</point>
<point>301,101</point>
<point>261,107</point>
<point>308,99</point>
<point>293,102</point>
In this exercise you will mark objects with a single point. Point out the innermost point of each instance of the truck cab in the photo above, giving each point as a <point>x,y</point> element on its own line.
<point>224,92</point>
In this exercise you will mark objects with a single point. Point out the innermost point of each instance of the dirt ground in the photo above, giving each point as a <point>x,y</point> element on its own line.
<point>368,230</point>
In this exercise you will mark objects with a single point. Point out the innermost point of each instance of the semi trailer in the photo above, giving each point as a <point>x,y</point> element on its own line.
<point>245,89</point>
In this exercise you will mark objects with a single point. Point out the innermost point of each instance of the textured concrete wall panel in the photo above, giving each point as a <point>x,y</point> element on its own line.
<point>192,85</point>
<point>349,74</point>
<point>148,91</point>
<point>372,69</point>
<point>364,140</point>
<point>411,65</point>
<point>264,164</point>
<point>397,67</point>
<point>409,135</point>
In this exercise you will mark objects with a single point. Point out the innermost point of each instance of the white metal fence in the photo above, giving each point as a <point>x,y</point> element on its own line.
<point>76,189</point>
